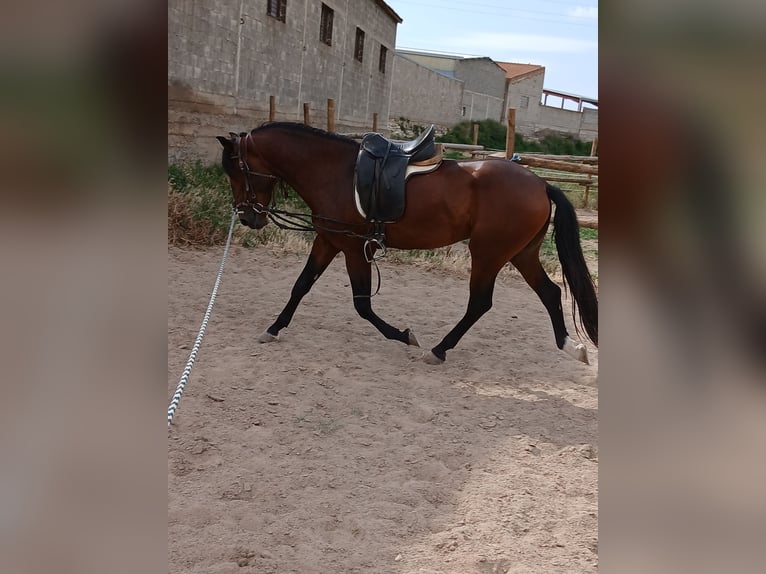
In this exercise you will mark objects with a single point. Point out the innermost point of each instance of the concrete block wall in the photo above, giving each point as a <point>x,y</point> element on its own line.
<point>478,106</point>
<point>365,88</point>
<point>589,124</point>
<point>580,125</point>
<point>481,75</point>
<point>424,96</point>
<point>226,59</point>
<point>527,117</point>
<point>437,63</point>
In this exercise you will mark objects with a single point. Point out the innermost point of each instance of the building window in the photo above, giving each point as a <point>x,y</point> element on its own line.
<point>325,26</point>
<point>277,9</point>
<point>382,61</point>
<point>463,113</point>
<point>359,46</point>
<point>524,102</point>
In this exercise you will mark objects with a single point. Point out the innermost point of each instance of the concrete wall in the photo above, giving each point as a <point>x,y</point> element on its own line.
<point>482,76</point>
<point>484,88</point>
<point>481,106</point>
<point>442,64</point>
<point>524,96</point>
<point>424,96</point>
<point>583,126</point>
<point>226,59</point>
<point>535,119</point>
<point>589,124</point>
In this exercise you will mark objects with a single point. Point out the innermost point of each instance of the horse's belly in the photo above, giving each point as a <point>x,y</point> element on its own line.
<point>425,233</point>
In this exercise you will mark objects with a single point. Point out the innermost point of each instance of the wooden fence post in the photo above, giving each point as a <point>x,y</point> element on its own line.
<point>272,108</point>
<point>306,114</point>
<point>594,146</point>
<point>510,137</point>
<point>330,115</point>
<point>375,121</point>
<point>475,134</point>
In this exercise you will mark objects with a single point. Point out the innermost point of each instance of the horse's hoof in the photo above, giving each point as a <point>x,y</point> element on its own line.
<point>267,337</point>
<point>432,359</point>
<point>576,350</point>
<point>412,339</point>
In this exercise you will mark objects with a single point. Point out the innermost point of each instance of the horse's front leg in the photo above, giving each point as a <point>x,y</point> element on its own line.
<point>322,254</point>
<point>360,274</point>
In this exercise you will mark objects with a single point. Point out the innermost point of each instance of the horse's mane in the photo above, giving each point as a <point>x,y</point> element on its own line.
<point>303,128</point>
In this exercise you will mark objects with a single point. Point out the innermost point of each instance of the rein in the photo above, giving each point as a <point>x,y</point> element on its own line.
<point>293,221</point>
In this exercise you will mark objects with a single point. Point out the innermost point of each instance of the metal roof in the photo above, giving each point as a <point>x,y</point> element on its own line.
<point>570,96</point>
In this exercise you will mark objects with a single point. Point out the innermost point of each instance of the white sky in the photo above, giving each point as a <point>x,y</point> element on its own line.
<point>561,35</point>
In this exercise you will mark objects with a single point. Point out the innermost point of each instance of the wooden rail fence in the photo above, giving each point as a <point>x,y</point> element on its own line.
<point>586,166</point>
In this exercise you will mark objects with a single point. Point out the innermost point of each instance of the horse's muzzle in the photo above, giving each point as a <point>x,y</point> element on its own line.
<point>252,219</point>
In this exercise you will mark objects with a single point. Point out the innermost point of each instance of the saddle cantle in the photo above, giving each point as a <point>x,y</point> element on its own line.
<point>382,169</point>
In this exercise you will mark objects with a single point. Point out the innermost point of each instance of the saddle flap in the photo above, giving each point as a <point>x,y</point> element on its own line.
<point>381,173</point>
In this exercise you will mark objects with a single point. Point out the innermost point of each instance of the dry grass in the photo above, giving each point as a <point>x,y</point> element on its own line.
<point>186,230</point>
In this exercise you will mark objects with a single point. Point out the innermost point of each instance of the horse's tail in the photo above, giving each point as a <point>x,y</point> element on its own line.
<point>566,234</point>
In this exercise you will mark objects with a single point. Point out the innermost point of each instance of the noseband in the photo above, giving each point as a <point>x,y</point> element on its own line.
<point>247,172</point>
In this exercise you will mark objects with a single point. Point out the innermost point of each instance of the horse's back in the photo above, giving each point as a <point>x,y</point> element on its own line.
<point>453,202</point>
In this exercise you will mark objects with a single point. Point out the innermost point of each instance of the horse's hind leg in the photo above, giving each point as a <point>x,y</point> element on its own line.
<point>322,254</point>
<point>528,264</point>
<point>360,274</point>
<point>483,274</point>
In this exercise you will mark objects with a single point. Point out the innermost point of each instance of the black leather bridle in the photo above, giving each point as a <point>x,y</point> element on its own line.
<point>241,157</point>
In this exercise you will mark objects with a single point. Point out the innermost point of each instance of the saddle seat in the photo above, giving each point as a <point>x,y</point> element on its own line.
<point>422,147</point>
<point>382,169</point>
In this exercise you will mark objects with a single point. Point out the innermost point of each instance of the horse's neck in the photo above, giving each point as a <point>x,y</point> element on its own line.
<point>301,163</point>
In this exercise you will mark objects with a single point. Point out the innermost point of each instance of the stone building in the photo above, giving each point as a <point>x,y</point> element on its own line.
<point>523,86</point>
<point>421,96</point>
<point>484,89</point>
<point>225,59</point>
<point>482,82</point>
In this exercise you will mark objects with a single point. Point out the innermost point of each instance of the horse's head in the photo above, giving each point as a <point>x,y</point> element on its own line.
<point>251,186</point>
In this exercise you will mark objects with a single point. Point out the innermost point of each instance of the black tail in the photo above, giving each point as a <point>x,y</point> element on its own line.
<point>566,234</point>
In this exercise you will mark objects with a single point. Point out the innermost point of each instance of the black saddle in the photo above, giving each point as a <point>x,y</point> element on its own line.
<point>379,178</point>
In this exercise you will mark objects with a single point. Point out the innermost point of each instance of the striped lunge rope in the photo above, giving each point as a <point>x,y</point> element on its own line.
<point>193,355</point>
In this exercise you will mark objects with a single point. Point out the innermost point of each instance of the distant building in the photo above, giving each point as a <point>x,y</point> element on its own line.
<point>226,58</point>
<point>483,81</point>
<point>523,86</point>
<point>421,96</point>
<point>485,90</point>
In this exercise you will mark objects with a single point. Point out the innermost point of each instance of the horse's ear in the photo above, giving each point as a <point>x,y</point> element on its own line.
<point>226,143</point>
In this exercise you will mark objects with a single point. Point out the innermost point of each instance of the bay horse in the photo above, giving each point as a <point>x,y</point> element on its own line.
<point>502,208</point>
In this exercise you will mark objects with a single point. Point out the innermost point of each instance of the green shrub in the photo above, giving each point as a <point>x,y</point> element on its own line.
<point>492,135</point>
<point>553,144</point>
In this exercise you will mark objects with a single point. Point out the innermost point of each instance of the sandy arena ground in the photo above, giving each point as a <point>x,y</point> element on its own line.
<point>334,450</point>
